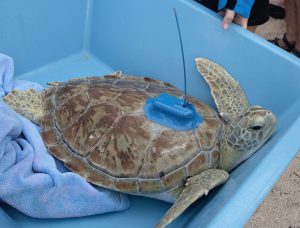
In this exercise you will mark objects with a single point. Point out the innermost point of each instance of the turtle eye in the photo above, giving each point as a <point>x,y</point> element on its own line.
<point>258,124</point>
<point>256,128</point>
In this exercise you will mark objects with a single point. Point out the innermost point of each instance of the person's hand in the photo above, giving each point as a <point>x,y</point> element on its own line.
<point>230,16</point>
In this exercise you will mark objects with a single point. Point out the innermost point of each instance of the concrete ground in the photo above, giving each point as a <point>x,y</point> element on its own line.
<point>282,206</point>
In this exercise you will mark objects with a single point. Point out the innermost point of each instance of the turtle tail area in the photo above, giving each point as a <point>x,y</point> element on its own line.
<point>27,103</point>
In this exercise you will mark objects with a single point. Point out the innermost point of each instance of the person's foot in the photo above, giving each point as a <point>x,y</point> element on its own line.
<point>284,43</point>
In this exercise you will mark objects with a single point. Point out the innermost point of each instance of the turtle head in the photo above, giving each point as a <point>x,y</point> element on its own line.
<point>247,127</point>
<point>245,134</point>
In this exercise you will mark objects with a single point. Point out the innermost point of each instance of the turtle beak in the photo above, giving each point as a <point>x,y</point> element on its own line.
<point>271,122</point>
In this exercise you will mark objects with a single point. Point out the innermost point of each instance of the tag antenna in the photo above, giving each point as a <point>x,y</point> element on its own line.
<point>182,55</point>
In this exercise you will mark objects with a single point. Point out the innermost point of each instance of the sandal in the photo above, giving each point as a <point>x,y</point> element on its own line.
<point>288,46</point>
<point>296,52</point>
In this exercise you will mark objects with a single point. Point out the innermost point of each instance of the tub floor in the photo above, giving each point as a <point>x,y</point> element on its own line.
<point>77,65</point>
<point>149,212</point>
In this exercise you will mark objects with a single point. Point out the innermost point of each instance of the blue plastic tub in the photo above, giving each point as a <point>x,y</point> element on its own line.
<point>55,40</point>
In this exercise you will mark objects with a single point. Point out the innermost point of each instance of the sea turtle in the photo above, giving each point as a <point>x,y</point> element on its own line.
<point>97,127</point>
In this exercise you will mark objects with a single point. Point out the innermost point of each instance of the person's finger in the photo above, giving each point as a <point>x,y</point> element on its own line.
<point>228,18</point>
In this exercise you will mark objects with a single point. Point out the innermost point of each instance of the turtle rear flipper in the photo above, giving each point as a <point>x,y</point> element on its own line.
<point>195,188</point>
<point>26,103</point>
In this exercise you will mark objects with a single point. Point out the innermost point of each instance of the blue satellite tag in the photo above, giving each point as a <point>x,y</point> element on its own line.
<point>172,112</point>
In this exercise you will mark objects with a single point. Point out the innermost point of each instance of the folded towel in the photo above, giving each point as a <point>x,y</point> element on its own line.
<point>6,74</point>
<point>29,178</point>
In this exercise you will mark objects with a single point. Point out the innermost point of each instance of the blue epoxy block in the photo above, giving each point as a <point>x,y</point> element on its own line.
<point>172,112</point>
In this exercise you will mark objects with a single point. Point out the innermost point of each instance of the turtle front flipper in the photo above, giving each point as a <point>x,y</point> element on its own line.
<point>27,103</point>
<point>195,188</point>
<point>226,91</point>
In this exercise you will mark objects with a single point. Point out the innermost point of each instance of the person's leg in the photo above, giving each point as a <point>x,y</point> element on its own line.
<point>259,14</point>
<point>297,45</point>
<point>276,9</point>
<point>277,2</point>
<point>291,23</point>
<point>252,28</point>
<point>211,4</point>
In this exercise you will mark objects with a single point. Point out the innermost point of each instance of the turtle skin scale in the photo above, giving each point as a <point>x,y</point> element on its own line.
<point>97,127</point>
